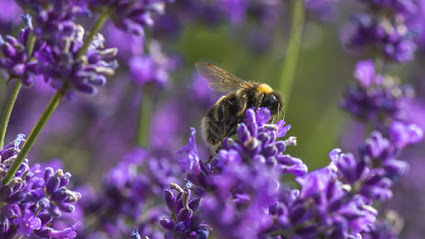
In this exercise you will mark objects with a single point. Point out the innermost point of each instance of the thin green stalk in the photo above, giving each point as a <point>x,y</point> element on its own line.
<point>48,111</point>
<point>8,111</point>
<point>145,115</point>
<point>294,44</point>
<point>30,46</point>
<point>97,26</point>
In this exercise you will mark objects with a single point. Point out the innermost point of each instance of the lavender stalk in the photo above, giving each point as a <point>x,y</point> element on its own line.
<point>8,111</point>
<point>51,107</point>
<point>146,109</point>
<point>290,62</point>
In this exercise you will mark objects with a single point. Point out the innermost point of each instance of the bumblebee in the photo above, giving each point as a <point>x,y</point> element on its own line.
<point>223,118</point>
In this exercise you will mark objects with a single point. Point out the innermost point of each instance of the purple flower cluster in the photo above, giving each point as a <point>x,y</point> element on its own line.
<point>184,223</point>
<point>250,188</point>
<point>16,61</point>
<point>243,198</point>
<point>59,52</point>
<point>386,32</point>
<point>131,16</point>
<point>34,199</point>
<point>53,20</point>
<point>376,98</point>
<point>243,179</point>
<point>373,172</point>
<point>125,197</point>
<point>336,201</point>
<point>382,31</point>
<point>62,66</point>
<point>153,68</point>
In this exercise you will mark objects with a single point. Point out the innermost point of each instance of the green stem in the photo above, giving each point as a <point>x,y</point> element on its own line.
<point>48,111</point>
<point>145,115</point>
<point>8,111</point>
<point>30,46</point>
<point>290,62</point>
<point>97,26</point>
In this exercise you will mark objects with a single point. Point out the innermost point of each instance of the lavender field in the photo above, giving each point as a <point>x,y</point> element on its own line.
<point>103,135</point>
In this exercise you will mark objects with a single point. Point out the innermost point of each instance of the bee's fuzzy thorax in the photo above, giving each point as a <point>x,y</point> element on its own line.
<point>264,88</point>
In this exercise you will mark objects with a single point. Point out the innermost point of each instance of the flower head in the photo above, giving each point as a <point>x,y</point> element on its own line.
<point>382,31</point>
<point>35,198</point>
<point>61,65</point>
<point>375,97</point>
<point>131,16</point>
<point>183,223</point>
<point>27,223</point>
<point>16,61</point>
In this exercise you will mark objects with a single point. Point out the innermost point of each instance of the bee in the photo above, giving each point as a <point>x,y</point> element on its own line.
<point>223,118</point>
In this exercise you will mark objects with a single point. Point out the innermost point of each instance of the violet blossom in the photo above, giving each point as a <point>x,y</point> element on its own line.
<point>131,16</point>
<point>382,31</point>
<point>34,199</point>
<point>16,61</point>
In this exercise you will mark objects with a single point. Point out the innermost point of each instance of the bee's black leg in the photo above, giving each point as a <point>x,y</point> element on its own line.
<point>260,101</point>
<point>243,103</point>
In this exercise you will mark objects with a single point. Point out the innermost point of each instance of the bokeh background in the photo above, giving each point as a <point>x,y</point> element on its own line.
<point>92,133</point>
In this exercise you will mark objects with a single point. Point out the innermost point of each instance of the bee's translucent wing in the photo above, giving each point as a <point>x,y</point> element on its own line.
<point>219,79</point>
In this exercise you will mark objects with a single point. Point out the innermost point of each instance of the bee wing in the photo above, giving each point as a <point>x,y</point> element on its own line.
<point>219,79</point>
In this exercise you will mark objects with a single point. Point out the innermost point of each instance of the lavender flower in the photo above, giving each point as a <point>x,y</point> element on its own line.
<point>27,223</point>
<point>241,182</point>
<point>377,166</point>
<point>336,201</point>
<point>257,143</point>
<point>16,62</point>
<point>242,197</point>
<point>237,206</point>
<point>53,20</point>
<point>152,69</point>
<point>60,60</point>
<point>61,66</point>
<point>324,208</point>
<point>183,222</point>
<point>131,16</point>
<point>33,201</point>
<point>124,201</point>
<point>376,98</point>
<point>383,32</point>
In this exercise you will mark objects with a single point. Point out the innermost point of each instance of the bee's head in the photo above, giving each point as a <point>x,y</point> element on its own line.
<point>273,101</point>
